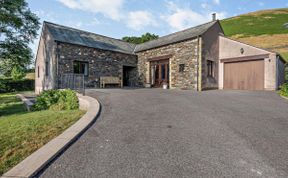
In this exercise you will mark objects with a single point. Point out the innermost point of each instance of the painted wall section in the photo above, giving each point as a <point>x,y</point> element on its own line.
<point>45,55</point>
<point>270,72</point>
<point>210,51</point>
<point>231,49</point>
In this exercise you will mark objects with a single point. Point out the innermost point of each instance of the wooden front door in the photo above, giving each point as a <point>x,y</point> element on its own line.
<point>159,73</point>
<point>248,75</point>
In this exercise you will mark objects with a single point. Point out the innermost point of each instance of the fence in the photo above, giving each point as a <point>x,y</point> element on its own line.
<point>74,82</point>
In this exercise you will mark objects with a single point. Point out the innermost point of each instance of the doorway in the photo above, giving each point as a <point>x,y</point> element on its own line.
<point>159,73</point>
<point>129,76</point>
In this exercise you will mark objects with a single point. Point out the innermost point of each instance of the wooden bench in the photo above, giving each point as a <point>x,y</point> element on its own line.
<point>110,80</point>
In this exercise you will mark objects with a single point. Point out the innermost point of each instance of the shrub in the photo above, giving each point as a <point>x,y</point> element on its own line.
<point>17,73</point>
<point>56,100</point>
<point>57,107</point>
<point>284,90</point>
<point>69,99</point>
<point>9,85</point>
<point>46,99</point>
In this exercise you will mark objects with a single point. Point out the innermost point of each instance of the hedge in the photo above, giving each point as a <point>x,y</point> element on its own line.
<point>284,90</point>
<point>9,85</point>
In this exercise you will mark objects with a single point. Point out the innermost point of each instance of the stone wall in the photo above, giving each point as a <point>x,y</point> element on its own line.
<point>101,63</point>
<point>185,52</point>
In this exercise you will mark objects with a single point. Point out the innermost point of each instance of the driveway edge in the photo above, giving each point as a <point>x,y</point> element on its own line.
<point>284,97</point>
<point>30,166</point>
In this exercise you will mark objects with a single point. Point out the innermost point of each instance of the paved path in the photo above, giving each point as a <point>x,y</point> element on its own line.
<point>169,133</point>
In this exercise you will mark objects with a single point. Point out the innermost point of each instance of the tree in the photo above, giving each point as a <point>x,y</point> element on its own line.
<point>138,40</point>
<point>18,27</point>
<point>17,73</point>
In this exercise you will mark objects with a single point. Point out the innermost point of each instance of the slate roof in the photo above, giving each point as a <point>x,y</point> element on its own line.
<point>176,37</point>
<point>74,36</point>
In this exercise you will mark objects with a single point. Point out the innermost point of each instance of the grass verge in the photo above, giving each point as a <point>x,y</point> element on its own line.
<point>22,133</point>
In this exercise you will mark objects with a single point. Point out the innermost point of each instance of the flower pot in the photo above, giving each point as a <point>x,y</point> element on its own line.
<point>165,86</point>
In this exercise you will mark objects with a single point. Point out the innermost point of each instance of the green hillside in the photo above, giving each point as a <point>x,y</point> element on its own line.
<point>264,29</point>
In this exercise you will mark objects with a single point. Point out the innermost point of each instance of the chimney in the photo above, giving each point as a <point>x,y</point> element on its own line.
<point>214,17</point>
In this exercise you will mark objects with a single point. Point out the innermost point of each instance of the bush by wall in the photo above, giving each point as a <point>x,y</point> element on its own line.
<point>56,100</point>
<point>9,85</point>
<point>284,90</point>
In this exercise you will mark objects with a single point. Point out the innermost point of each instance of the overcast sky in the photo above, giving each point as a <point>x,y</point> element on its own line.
<point>118,18</point>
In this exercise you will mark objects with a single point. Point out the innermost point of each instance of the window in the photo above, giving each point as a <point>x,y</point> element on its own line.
<point>210,69</point>
<point>163,71</point>
<point>46,68</point>
<point>38,71</point>
<point>80,67</point>
<point>181,67</point>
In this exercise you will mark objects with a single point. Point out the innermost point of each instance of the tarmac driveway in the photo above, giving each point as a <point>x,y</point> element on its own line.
<point>171,133</point>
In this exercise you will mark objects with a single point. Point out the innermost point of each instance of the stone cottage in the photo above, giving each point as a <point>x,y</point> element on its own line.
<point>197,58</point>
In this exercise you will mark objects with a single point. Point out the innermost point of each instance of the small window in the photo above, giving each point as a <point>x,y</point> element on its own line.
<point>210,68</point>
<point>181,67</point>
<point>46,68</point>
<point>38,71</point>
<point>81,67</point>
<point>163,70</point>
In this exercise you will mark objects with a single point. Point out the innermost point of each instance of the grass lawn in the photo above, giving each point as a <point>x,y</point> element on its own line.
<point>22,133</point>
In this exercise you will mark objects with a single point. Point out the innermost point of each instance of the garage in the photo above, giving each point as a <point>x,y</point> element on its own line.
<point>244,75</point>
<point>245,67</point>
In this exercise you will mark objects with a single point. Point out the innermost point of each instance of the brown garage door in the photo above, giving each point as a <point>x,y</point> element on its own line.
<point>248,75</point>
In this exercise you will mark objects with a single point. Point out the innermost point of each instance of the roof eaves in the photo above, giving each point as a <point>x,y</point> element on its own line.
<point>124,47</point>
<point>179,32</point>
<point>118,51</point>
<point>196,36</point>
